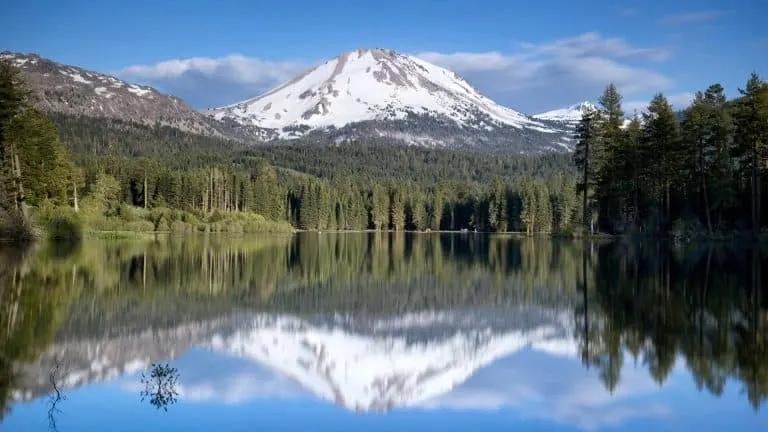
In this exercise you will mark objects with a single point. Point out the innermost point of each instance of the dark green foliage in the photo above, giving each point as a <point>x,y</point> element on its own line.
<point>699,170</point>
<point>64,225</point>
<point>583,156</point>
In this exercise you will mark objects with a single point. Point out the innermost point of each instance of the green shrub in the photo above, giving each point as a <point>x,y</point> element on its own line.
<point>15,228</point>
<point>139,226</point>
<point>65,225</point>
<point>130,213</point>
<point>162,225</point>
<point>181,227</point>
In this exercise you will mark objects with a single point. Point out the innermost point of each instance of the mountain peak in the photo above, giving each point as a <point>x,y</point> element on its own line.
<point>570,114</point>
<point>374,84</point>
<point>583,106</point>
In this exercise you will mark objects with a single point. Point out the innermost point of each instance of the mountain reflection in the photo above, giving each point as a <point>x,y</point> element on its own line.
<point>376,322</point>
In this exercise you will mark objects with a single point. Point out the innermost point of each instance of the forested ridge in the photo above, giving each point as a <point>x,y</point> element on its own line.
<point>654,175</point>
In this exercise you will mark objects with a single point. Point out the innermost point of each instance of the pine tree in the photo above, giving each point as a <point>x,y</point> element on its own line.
<point>529,210</point>
<point>662,155</point>
<point>13,97</point>
<point>379,207</point>
<point>632,168</point>
<point>586,135</point>
<point>397,207</point>
<point>497,205</point>
<point>706,132</point>
<point>543,208</point>
<point>752,138</point>
<point>417,211</point>
<point>611,180</point>
<point>436,207</point>
<point>43,167</point>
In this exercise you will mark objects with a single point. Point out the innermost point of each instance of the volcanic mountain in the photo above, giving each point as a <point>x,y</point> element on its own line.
<point>366,95</point>
<point>382,94</point>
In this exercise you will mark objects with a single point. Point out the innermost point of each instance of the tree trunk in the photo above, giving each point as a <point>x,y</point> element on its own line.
<point>587,219</point>
<point>146,192</point>
<point>666,204</point>
<point>74,187</point>
<point>755,193</point>
<point>20,197</point>
<point>704,190</point>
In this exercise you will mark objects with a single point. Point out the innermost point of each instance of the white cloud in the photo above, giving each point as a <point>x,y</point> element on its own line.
<point>691,17</point>
<point>559,73</point>
<point>679,101</point>
<point>557,390</point>
<point>204,81</point>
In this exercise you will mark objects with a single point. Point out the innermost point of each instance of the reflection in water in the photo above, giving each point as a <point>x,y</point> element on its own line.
<point>160,386</point>
<point>378,321</point>
<point>55,397</point>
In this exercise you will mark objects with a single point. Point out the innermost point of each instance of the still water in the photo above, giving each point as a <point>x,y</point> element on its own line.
<point>317,332</point>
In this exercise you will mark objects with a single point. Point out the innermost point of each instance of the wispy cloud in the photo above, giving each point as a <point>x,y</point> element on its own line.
<point>557,390</point>
<point>692,17</point>
<point>629,11</point>
<point>558,73</point>
<point>679,101</point>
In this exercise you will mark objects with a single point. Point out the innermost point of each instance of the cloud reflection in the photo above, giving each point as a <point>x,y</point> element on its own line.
<point>556,388</point>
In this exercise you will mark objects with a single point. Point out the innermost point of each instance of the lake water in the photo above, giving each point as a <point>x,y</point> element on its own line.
<point>382,332</point>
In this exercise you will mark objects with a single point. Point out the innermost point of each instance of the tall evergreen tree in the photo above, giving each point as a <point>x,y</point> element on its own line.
<point>661,152</point>
<point>497,205</point>
<point>611,179</point>
<point>752,137</point>
<point>705,132</point>
<point>586,136</point>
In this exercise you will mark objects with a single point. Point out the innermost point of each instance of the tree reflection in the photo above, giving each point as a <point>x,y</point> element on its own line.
<point>656,302</point>
<point>659,303</point>
<point>160,386</point>
<point>55,398</point>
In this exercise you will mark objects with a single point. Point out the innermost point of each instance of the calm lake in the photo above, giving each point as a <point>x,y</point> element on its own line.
<point>382,332</point>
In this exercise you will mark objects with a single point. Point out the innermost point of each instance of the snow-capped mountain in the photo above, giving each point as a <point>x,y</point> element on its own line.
<point>384,94</point>
<point>359,363</point>
<point>571,114</point>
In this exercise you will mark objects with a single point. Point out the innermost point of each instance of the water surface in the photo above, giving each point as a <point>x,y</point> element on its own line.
<point>382,332</point>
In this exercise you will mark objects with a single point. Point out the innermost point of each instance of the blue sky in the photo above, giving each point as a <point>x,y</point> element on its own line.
<point>526,391</point>
<point>531,56</point>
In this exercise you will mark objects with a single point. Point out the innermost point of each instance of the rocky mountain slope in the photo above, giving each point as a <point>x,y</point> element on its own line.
<point>379,93</point>
<point>75,91</point>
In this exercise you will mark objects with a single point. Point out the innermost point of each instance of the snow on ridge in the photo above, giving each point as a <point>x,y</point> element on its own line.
<point>76,77</point>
